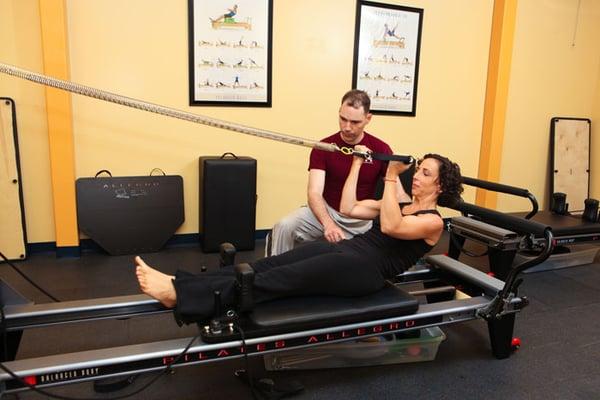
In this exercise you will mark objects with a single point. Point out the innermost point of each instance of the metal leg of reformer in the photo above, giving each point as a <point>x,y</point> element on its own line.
<point>501,335</point>
<point>501,262</point>
<point>10,345</point>
<point>455,246</point>
<point>10,339</point>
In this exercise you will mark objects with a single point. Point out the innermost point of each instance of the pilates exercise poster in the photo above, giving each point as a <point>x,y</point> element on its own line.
<point>230,52</point>
<point>386,56</point>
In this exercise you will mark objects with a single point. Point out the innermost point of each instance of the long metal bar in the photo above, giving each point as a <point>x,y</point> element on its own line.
<point>573,239</point>
<point>483,228</point>
<point>501,188</point>
<point>20,317</point>
<point>435,290</point>
<point>490,284</point>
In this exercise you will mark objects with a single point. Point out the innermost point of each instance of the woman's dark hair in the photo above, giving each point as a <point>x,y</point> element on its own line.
<point>450,180</point>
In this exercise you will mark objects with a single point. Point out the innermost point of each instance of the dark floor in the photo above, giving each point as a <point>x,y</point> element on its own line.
<point>559,357</point>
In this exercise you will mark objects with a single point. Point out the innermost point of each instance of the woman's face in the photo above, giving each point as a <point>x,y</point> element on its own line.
<point>426,178</point>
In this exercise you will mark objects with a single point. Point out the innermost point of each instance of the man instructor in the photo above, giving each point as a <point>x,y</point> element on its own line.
<point>327,174</point>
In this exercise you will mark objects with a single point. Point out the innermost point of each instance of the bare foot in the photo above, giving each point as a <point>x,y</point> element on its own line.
<point>155,284</point>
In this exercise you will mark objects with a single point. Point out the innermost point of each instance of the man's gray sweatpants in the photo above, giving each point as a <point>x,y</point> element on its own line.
<point>303,226</point>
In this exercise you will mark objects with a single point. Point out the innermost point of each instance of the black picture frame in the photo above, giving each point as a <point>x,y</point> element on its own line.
<point>387,47</point>
<point>230,52</point>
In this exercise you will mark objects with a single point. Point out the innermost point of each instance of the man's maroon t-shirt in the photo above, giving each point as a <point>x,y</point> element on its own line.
<point>337,166</point>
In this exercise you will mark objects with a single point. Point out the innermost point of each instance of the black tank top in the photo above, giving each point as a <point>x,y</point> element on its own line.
<point>392,256</point>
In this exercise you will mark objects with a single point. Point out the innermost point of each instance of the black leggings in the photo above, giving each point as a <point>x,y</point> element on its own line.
<point>317,268</point>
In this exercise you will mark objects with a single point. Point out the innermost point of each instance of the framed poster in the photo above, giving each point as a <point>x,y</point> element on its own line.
<point>230,52</point>
<point>386,56</point>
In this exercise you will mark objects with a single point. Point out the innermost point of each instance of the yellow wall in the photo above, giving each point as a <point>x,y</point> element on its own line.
<point>550,77</point>
<point>141,51</point>
<point>126,52</point>
<point>595,164</point>
<point>21,46</point>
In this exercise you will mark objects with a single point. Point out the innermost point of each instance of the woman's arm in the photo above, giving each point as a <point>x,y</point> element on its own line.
<point>349,205</point>
<point>394,224</point>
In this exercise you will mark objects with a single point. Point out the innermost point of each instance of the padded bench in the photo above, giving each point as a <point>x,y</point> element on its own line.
<point>304,313</point>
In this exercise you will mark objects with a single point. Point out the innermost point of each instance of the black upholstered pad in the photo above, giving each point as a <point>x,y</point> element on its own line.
<point>305,313</point>
<point>565,225</point>
<point>326,311</point>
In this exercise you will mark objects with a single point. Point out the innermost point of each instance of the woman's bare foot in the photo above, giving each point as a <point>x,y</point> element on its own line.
<point>155,284</point>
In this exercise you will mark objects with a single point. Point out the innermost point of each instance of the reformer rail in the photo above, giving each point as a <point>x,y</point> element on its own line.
<point>125,360</point>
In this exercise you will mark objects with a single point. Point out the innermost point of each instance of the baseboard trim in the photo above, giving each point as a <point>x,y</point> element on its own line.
<point>88,245</point>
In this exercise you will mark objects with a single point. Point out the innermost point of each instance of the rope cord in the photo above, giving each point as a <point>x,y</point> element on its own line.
<point>158,109</point>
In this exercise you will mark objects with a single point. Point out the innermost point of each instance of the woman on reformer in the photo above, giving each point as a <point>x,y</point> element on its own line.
<point>403,231</point>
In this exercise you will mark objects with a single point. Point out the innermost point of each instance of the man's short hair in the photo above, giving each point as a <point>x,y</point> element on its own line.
<point>357,99</point>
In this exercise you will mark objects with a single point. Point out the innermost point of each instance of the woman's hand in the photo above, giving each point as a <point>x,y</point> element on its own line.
<point>395,168</point>
<point>361,149</point>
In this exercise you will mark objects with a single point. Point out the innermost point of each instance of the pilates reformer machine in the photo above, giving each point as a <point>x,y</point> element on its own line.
<point>290,323</point>
<point>568,230</point>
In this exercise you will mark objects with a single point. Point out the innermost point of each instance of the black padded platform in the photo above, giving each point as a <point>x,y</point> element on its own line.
<point>303,313</point>
<point>565,225</point>
<point>130,214</point>
<point>227,201</point>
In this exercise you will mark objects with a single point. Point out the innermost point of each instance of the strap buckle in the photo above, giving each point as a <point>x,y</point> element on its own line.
<point>350,151</point>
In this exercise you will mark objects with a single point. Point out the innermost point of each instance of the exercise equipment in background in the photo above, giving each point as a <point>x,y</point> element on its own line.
<point>13,237</point>
<point>130,214</point>
<point>227,201</point>
<point>570,159</point>
<point>568,229</point>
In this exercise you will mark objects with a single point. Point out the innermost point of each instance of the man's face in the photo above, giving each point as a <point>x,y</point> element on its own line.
<point>352,123</point>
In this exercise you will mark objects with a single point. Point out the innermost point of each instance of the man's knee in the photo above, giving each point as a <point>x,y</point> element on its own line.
<point>286,225</point>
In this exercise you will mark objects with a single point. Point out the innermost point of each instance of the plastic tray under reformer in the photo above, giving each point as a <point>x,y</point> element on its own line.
<point>582,255</point>
<point>378,350</point>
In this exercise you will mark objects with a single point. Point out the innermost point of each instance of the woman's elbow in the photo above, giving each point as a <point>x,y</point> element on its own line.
<point>346,209</point>
<point>387,230</point>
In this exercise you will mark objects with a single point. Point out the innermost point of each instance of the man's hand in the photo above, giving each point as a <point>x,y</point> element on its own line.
<point>333,233</point>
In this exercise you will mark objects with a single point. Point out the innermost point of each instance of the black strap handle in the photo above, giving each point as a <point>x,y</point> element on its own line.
<point>103,171</point>
<point>229,154</point>
<point>159,170</point>
<point>393,157</point>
